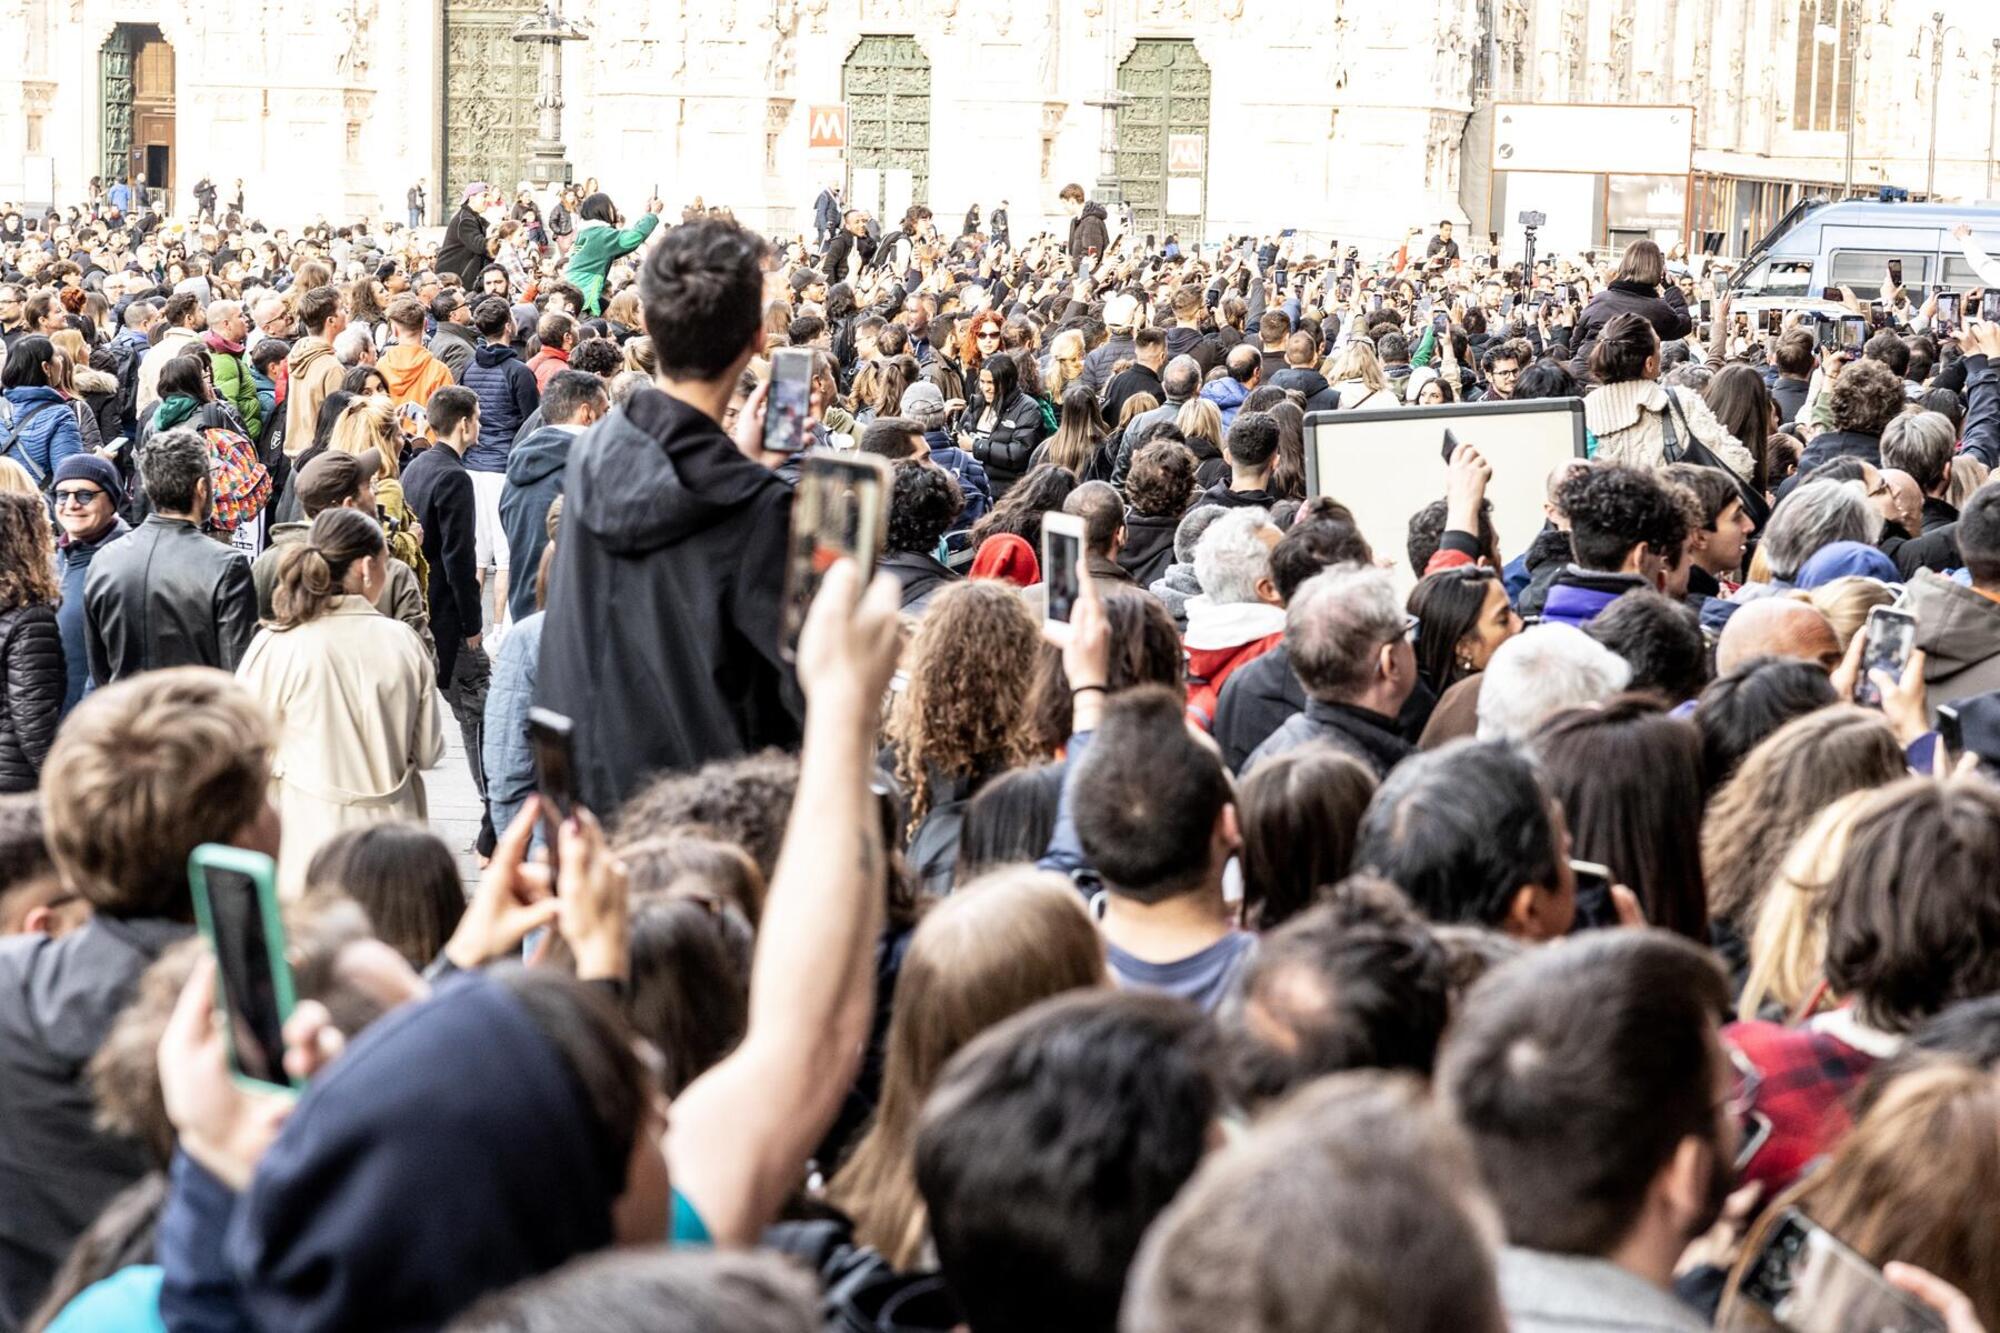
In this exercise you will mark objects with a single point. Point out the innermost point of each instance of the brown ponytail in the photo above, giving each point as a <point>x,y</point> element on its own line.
<point>310,572</point>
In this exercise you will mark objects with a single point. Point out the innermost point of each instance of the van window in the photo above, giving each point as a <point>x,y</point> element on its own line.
<point>1866,270</point>
<point>1779,277</point>
<point>1959,276</point>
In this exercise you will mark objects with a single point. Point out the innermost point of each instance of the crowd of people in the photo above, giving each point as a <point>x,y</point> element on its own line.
<point>1513,930</point>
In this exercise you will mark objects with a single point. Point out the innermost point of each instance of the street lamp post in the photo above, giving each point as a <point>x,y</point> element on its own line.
<point>1938,32</point>
<point>548,160</point>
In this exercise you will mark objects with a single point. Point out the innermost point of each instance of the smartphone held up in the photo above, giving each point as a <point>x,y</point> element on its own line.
<point>788,404</point>
<point>236,909</point>
<point>841,511</point>
<point>1062,570</point>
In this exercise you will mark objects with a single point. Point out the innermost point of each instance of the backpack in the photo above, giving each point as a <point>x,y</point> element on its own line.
<point>241,484</point>
<point>44,479</point>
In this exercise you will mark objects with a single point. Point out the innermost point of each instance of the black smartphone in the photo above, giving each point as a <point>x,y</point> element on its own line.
<point>1890,638</point>
<point>551,737</point>
<point>1594,908</point>
<point>1062,566</point>
<point>1450,443</point>
<point>1774,322</point>
<point>841,511</point>
<point>788,406</point>
<point>1950,729</point>
<point>1878,315</point>
<point>1944,319</point>
<point>236,908</point>
<point>1896,272</point>
<point>1808,1281</point>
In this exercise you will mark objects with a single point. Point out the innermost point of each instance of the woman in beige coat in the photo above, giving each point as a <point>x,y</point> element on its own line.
<point>352,692</point>
<point>1638,420</point>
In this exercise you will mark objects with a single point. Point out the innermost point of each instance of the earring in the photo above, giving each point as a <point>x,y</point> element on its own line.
<point>1464,662</point>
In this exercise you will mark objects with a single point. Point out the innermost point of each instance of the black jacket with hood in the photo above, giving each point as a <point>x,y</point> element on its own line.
<point>464,248</point>
<point>1149,545</point>
<point>1664,308</point>
<point>1087,232</point>
<point>1320,396</point>
<point>665,601</point>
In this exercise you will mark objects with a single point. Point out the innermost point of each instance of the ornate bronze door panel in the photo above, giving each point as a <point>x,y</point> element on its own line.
<point>489,96</point>
<point>1165,82</point>
<point>114,64</point>
<point>886,83</point>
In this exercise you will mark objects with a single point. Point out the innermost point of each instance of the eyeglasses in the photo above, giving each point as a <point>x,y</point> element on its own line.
<point>78,497</point>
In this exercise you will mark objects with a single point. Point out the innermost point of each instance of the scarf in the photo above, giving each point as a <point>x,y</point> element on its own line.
<point>173,411</point>
<point>218,343</point>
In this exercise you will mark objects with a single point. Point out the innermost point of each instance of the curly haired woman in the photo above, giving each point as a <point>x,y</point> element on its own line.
<point>963,717</point>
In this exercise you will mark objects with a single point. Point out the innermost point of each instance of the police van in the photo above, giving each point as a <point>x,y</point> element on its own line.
<point>1853,244</point>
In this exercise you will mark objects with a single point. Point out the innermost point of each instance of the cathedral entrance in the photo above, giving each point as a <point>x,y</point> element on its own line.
<point>136,82</point>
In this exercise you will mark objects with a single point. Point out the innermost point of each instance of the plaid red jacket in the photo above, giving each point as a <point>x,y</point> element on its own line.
<point>1807,1079</point>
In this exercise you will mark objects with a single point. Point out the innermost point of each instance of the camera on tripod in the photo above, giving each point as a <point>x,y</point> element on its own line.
<point>1533,220</point>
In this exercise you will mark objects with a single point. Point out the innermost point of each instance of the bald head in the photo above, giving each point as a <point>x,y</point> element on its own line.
<point>1777,627</point>
<point>1909,498</point>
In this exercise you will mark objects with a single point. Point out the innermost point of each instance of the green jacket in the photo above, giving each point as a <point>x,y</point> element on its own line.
<point>597,245</point>
<point>232,382</point>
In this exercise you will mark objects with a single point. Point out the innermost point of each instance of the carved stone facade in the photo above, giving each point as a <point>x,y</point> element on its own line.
<point>1341,117</point>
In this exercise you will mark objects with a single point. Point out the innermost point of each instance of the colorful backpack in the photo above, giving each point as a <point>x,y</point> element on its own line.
<point>240,483</point>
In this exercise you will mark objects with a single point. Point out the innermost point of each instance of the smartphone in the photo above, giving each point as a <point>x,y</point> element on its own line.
<point>1594,908</point>
<point>1853,333</point>
<point>236,908</point>
<point>1891,636</point>
<point>1878,315</point>
<point>1062,565</point>
<point>841,511</point>
<point>1450,443</point>
<point>1374,300</point>
<point>117,446</point>
<point>1896,272</point>
<point>1989,307</point>
<point>789,403</point>
<point>1774,322</point>
<point>1945,317</point>
<point>1288,233</point>
<point>1741,324</point>
<point>1807,1280</point>
<point>1950,729</point>
<point>551,738</point>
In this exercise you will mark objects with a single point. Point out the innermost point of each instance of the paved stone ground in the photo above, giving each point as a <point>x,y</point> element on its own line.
<point>454,801</point>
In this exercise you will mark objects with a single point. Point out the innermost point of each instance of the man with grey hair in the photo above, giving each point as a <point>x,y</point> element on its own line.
<point>168,595</point>
<point>1814,516</point>
<point>1180,381</point>
<point>271,318</point>
<point>1541,671</point>
<point>1922,444</point>
<point>1179,586</point>
<point>1239,615</point>
<point>354,346</point>
<point>1349,640</point>
<point>227,336</point>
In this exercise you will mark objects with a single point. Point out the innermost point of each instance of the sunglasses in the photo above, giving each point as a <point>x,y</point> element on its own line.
<point>78,497</point>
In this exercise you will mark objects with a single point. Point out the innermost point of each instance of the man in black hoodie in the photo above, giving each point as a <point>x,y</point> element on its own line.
<point>1087,232</point>
<point>464,248</point>
<point>1301,350</point>
<point>662,637</point>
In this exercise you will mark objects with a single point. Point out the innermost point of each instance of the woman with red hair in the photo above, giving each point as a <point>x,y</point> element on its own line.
<point>978,338</point>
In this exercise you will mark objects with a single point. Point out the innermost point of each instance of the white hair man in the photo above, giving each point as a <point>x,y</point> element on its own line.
<point>1543,670</point>
<point>1348,638</point>
<point>354,346</point>
<point>1239,615</point>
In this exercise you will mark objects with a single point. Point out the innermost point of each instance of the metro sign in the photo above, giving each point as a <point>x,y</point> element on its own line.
<point>826,127</point>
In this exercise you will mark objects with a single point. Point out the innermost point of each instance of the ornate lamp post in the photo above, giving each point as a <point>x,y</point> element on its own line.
<point>548,161</point>
<point>1937,31</point>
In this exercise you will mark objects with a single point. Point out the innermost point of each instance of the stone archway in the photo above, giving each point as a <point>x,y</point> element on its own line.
<point>1163,137</point>
<point>886,83</point>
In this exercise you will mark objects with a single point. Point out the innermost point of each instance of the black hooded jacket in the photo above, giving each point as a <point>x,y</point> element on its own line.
<point>665,601</point>
<point>1087,232</point>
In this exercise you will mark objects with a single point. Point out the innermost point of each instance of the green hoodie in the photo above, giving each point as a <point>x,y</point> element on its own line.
<point>597,245</point>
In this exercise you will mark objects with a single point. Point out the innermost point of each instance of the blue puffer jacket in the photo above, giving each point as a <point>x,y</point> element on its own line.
<point>507,397</point>
<point>1227,394</point>
<point>44,442</point>
<point>510,762</point>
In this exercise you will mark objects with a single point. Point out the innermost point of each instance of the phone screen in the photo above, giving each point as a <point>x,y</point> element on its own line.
<point>1774,322</point>
<point>841,511</point>
<point>1946,318</point>
<point>1896,271</point>
<point>1891,637</point>
<point>1853,333</point>
<point>1594,908</point>
<point>1989,307</point>
<point>240,933</point>
<point>789,404</point>
<point>551,738</point>
<point>1810,1282</point>
<point>1062,564</point>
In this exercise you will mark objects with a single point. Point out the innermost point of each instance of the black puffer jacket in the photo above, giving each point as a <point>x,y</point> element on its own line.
<point>1008,448</point>
<point>33,679</point>
<point>1667,313</point>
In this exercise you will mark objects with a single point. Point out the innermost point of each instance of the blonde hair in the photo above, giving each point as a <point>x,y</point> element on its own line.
<point>997,946</point>
<point>1788,945</point>
<point>1201,418</point>
<point>1968,474</point>
<point>70,343</point>
<point>368,423</point>
<point>14,480</point>
<point>1846,603</point>
<point>1065,361</point>
<point>1359,362</point>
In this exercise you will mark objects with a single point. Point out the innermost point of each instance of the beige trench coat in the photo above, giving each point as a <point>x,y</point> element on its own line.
<point>354,698</point>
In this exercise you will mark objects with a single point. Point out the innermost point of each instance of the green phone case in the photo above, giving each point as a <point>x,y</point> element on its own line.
<point>262,871</point>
